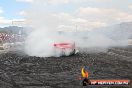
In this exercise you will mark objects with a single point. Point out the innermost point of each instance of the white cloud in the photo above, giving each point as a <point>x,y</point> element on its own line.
<point>4,21</point>
<point>67,21</point>
<point>28,1</point>
<point>22,13</point>
<point>130,6</point>
<point>88,18</point>
<point>9,22</point>
<point>57,1</point>
<point>1,11</point>
<point>108,16</point>
<point>72,1</point>
<point>79,20</point>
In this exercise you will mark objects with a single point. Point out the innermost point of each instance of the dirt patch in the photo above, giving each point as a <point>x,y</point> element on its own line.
<point>18,70</point>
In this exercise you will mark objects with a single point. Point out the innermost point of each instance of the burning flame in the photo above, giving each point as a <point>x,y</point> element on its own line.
<point>84,73</point>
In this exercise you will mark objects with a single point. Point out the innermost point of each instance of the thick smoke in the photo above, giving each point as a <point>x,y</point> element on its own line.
<point>46,31</point>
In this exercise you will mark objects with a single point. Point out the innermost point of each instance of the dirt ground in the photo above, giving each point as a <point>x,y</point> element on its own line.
<point>18,70</point>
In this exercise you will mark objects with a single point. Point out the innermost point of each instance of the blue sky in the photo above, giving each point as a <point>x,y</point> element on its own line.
<point>11,8</point>
<point>101,12</point>
<point>11,11</point>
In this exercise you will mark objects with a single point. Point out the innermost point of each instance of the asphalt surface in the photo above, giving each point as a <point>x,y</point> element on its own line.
<point>18,70</point>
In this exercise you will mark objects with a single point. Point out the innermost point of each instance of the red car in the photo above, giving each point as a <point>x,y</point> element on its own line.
<point>65,49</point>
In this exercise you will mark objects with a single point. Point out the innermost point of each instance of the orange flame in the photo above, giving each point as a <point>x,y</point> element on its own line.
<point>84,73</point>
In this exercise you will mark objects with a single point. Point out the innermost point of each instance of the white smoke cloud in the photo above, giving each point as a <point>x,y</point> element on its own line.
<point>46,23</point>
